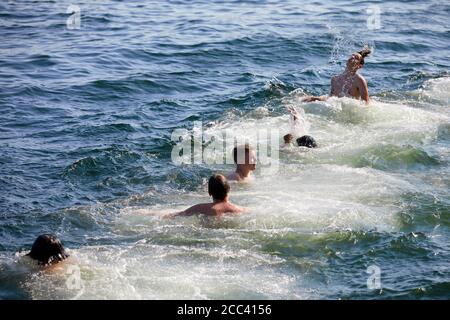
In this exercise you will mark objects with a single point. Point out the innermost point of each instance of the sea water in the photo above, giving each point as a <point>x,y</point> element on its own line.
<point>85,138</point>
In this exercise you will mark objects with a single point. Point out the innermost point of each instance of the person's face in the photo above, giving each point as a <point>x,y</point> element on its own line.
<point>251,161</point>
<point>354,62</point>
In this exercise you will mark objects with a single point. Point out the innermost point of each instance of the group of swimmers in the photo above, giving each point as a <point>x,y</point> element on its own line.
<point>349,84</point>
<point>47,249</point>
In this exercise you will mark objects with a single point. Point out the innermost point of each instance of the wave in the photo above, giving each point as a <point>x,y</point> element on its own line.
<point>435,91</point>
<point>112,128</point>
<point>388,157</point>
<point>105,163</point>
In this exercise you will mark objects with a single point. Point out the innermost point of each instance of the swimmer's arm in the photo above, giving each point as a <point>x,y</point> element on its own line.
<point>333,92</point>
<point>364,90</point>
<point>323,98</point>
<point>313,98</point>
<point>186,213</point>
<point>294,113</point>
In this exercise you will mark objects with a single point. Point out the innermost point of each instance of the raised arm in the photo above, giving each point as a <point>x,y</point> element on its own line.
<point>333,91</point>
<point>294,113</point>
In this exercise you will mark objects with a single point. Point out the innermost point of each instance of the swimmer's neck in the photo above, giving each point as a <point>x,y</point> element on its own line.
<point>243,173</point>
<point>349,72</point>
<point>220,201</point>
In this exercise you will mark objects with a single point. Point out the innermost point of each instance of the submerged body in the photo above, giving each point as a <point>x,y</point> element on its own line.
<point>218,188</point>
<point>240,177</point>
<point>215,209</point>
<point>349,84</point>
<point>301,141</point>
<point>245,160</point>
<point>47,250</point>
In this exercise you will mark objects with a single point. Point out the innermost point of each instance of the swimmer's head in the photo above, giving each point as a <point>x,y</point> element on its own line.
<point>307,141</point>
<point>288,138</point>
<point>245,157</point>
<point>47,249</point>
<point>356,60</point>
<point>218,187</point>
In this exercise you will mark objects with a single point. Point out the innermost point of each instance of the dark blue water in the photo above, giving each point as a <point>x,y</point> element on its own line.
<point>85,141</point>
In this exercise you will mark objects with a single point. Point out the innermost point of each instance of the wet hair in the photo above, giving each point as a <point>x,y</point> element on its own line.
<point>245,147</point>
<point>364,53</point>
<point>288,138</point>
<point>218,187</point>
<point>307,141</point>
<point>47,249</point>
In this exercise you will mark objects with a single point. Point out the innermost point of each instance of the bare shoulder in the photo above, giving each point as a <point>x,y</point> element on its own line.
<point>361,79</point>
<point>232,208</point>
<point>198,209</point>
<point>201,207</point>
<point>61,266</point>
<point>233,177</point>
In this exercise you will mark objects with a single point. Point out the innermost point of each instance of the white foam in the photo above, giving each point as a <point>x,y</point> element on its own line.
<point>314,192</point>
<point>436,90</point>
<point>146,271</point>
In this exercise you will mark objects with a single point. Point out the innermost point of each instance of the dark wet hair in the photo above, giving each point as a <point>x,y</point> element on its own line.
<point>47,249</point>
<point>364,53</point>
<point>218,187</point>
<point>288,138</point>
<point>245,147</point>
<point>307,141</point>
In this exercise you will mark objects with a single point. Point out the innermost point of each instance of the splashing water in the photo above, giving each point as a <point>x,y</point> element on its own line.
<point>85,151</point>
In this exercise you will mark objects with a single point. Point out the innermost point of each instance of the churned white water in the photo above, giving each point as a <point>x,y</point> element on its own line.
<point>353,182</point>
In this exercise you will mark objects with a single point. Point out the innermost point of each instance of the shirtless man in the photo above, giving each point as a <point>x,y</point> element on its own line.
<point>245,160</point>
<point>349,83</point>
<point>218,188</point>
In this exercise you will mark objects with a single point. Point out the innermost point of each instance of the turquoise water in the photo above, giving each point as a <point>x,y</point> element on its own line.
<point>85,145</point>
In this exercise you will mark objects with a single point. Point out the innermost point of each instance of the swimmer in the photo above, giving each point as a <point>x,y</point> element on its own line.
<point>219,189</point>
<point>297,122</point>
<point>349,83</point>
<point>244,167</point>
<point>47,250</point>
<point>306,141</point>
<point>288,138</point>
